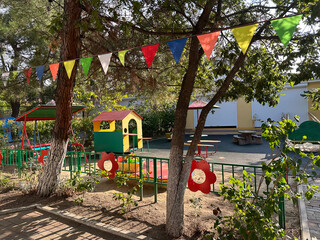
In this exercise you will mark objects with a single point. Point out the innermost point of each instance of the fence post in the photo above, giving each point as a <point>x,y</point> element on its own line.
<point>141,177</point>
<point>19,162</point>
<point>282,213</point>
<point>155,179</point>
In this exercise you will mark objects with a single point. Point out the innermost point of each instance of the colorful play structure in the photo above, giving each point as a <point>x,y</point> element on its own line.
<point>117,137</point>
<point>44,113</point>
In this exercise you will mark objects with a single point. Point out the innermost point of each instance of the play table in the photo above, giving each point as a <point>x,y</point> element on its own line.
<point>207,144</point>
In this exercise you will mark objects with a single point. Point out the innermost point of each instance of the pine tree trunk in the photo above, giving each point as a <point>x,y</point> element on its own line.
<point>70,49</point>
<point>15,108</point>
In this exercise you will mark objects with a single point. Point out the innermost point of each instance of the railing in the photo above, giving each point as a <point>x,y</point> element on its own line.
<point>149,169</point>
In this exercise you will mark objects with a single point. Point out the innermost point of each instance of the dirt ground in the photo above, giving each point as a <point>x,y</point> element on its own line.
<point>148,218</point>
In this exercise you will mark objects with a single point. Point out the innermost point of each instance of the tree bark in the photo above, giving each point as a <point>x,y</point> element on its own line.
<point>70,49</point>
<point>15,108</point>
<point>179,171</point>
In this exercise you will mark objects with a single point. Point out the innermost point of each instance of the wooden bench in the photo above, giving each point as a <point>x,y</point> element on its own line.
<point>237,138</point>
<point>256,139</point>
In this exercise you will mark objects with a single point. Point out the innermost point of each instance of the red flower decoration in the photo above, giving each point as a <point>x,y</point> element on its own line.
<point>210,177</point>
<point>44,152</point>
<point>115,166</point>
<point>1,157</point>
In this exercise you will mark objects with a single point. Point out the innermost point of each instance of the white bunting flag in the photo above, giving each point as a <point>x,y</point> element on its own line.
<point>105,61</point>
<point>5,77</point>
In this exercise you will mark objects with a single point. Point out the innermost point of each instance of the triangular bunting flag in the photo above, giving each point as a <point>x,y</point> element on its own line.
<point>54,70</point>
<point>105,61</point>
<point>177,47</point>
<point>208,41</point>
<point>40,71</point>
<point>86,63</point>
<point>244,35</point>
<point>149,52</point>
<point>69,67</point>
<point>121,56</point>
<point>285,27</point>
<point>15,74</point>
<point>27,73</point>
<point>5,77</point>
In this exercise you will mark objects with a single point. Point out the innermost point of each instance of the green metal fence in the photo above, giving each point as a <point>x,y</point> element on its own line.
<point>149,169</point>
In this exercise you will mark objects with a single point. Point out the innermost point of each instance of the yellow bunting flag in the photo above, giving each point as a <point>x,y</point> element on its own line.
<point>121,56</point>
<point>69,67</point>
<point>244,35</point>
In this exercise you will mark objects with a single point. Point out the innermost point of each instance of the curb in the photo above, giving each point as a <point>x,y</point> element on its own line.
<point>93,224</point>
<point>20,209</point>
<point>305,233</point>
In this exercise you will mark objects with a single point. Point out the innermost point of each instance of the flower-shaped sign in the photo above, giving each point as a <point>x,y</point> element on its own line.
<point>115,166</point>
<point>210,177</point>
<point>1,157</point>
<point>44,152</point>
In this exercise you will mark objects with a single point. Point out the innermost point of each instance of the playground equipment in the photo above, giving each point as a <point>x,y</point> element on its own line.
<point>42,112</point>
<point>309,129</point>
<point>112,139</point>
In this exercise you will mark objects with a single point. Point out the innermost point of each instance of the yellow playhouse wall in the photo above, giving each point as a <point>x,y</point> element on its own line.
<point>125,124</point>
<point>312,85</point>
<point>190,120</point>
<point>244,115</point>
<point>96,126</point>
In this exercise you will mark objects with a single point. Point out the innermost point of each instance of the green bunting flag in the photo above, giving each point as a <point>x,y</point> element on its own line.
<point>86,63</point>
<point>244,35</point>
<point>15,74</point>
<point>285,27</point>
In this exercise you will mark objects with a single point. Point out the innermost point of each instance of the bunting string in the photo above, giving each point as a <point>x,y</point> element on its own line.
<point>284,28</point>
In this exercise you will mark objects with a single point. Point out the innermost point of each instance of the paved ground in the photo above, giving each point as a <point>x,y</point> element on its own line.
<point>35,224</point>
<point>313,214</point>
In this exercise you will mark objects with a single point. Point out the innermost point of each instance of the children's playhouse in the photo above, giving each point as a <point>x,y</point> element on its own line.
<point>113,131</point>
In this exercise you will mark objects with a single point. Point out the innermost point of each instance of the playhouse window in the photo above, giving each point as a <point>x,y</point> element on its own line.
<point>104,125</point>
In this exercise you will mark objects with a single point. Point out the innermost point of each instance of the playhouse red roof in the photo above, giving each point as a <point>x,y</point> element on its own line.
<point>114,115</point>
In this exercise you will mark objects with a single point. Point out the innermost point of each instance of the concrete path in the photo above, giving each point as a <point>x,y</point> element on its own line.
<point>313,214</point>
<point>36,222</point>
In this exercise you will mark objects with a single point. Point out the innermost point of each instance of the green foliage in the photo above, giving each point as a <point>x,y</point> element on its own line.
<point>156,121</point>
<point>127,201</point>
<point>82,184</point>
<point>30,178</point>
<point>254,212</point>
<point>83,131</point>
<point>314,97</point>
<point>6,184</point>
<point>196,205</point>
<point>252,217</point>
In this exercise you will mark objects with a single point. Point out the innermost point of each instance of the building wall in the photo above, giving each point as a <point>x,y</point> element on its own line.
<point>291,103</point>
<point>311,86</point>
<point>244,114</point>
<point>224,116</point>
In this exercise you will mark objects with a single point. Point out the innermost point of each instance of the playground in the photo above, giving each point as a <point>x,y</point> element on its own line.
<point>148,164</point>
<point>149,217</point>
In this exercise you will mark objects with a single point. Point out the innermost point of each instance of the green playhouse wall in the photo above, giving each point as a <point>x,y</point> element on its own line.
<point>108,142</point>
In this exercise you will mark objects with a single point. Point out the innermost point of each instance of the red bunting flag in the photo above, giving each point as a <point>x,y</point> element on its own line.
<point>54,70</point>
<point>27,73</point>
<point>208,41</point>
<point>149,52</point>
